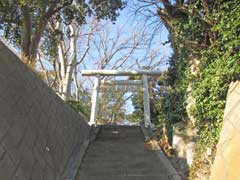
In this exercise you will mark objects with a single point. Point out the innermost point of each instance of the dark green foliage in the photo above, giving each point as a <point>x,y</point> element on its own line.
<point>107,9</point>
<point>83,105</point>
<point>171,99</point>
<point>24,22</point>
<point>137,101</point>
<point>138,105</point>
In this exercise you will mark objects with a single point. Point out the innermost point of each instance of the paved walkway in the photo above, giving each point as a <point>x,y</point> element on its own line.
<point>118,153</point>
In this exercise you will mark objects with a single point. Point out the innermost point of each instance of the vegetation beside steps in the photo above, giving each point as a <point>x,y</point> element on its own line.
<point>82,107</point>
<point>205,61</point>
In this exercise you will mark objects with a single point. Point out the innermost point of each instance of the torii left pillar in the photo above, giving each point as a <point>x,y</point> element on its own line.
<point>147,117</point>
<point>94,109</point>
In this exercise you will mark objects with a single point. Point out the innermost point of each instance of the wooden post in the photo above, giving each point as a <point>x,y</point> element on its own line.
<point>94,102</point>
<point>147,118</point>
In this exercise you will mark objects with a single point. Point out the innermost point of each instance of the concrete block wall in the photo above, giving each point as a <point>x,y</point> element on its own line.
<point>38,131</point>
<point>226,165</point>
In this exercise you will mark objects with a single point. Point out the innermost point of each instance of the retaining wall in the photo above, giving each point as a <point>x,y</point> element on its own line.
<point>227,161</point>
<point>39,133</point>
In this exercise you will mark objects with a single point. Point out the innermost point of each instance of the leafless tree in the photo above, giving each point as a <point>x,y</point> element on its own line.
<point>71,51</point>
<point>121,49</point>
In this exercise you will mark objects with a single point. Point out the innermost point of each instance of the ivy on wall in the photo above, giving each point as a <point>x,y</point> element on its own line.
<point>214,43</point>
<point>220,65</point>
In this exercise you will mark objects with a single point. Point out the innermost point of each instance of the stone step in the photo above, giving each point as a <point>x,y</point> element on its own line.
<point>137,167</point>
<point>120,170</point>
<point>117,134</point>
<point>120,130</point>
<point>121,177</point>
<point>108,127</point>
<point>119,153</point>
<point>120,138</point>
<point>128,153</point>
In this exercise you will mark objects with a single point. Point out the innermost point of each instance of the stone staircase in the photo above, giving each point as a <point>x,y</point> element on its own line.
<point>119,153</point>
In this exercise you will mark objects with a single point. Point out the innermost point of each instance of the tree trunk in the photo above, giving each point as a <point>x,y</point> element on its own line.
<point>30,38</point>
<point>67,66</point>
<point>36,39</point>
<point>76,83</point>
<point>66,90</point>
<point>26,34</point>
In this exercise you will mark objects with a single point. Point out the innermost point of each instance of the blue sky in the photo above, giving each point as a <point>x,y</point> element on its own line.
<point>134,23</point>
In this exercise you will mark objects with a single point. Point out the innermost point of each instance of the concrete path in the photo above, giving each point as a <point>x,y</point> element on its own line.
<point>119,153</point>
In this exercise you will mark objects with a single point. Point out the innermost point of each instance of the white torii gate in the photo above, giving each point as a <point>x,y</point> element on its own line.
<point>98,82</point>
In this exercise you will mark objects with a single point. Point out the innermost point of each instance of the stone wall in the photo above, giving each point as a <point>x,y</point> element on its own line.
<point>39,133</point>
<point>184,145</point>
<point>227,161</point>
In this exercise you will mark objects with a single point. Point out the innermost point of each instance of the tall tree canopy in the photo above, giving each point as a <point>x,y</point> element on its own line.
<point>25,22</point>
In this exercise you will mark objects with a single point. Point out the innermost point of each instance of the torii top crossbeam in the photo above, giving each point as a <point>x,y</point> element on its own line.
<point>119,73</point>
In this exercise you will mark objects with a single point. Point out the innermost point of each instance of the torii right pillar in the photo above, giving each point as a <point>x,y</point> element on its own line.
<point>147,117</point>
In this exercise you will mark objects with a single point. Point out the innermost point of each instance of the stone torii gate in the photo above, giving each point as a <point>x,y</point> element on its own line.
<point>98,82</point>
